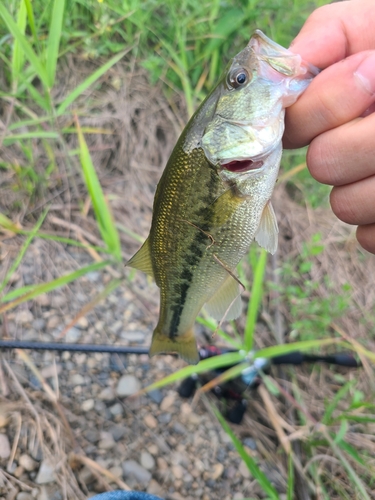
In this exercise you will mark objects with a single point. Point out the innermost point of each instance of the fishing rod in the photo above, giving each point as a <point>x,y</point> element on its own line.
<point>232,390</point>
<point>292,358</point>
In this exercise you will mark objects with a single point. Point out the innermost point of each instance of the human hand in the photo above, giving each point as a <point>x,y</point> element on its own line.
<point>335,114</point>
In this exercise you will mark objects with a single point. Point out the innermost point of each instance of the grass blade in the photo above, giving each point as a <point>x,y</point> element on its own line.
<point>327,417</point>
<point>262,479</point>
<point>103,215</point>
<point>39,134</point>
<point>18,54</point>
<point>255,299</point>
<point>29,53</point>
<point>54,39</point>
<point>269,352</point>
<point>206,365</point>
<point>51,285</point>
<point>290,490</point>
<point>30,15</point>
<point>22,252</point>
<point>89,81</point>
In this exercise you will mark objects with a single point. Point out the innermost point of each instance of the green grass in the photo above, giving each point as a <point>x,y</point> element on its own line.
<point>185,45</point>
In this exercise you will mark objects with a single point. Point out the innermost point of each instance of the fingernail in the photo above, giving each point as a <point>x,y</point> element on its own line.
<point>365,74</point>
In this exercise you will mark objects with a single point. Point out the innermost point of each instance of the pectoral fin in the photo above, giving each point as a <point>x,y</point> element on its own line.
<point>267,233</point>
<point>227,298</point>
<point>184,345</point>
<point>142,259</point>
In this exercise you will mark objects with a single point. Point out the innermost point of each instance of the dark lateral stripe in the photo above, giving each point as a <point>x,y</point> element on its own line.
<point>194,253</point>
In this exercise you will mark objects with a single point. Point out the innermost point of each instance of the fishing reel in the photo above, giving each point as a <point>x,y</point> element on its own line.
<point>250,377</point>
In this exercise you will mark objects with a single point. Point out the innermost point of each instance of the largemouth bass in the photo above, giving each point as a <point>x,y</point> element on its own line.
<point>214,195</point>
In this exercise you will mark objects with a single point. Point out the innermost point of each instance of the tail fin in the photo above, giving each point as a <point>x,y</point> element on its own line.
<point>184,345</point>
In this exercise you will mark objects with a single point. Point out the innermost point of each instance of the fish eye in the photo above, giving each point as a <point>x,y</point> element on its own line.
<point>238,77</point>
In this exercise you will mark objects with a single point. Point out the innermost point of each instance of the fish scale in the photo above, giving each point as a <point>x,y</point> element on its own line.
<point>214,195</point>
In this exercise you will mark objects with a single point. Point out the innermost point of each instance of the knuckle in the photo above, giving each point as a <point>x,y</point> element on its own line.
<point>322,161</point>
<point>366,237</point>
<point>342,205</point>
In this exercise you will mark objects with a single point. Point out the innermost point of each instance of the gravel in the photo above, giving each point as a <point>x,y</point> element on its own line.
<point>46,473</point>
<point>128,385</point>
<point>133,469</point>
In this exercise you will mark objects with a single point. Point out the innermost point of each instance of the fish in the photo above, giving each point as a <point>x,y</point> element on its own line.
<point>213,198</point>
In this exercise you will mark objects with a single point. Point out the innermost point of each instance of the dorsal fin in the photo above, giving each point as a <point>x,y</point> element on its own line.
<point>227,296</point>
<point>142,259</point>
<point>267,231</point>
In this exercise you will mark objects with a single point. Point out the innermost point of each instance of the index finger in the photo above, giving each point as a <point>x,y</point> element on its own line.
<point>336,31</point>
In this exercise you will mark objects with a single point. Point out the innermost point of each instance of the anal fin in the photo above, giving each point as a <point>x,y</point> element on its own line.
<point>142,259</point>
<point>226,301</point>
<point>184,345</point>
<point>267,233</point>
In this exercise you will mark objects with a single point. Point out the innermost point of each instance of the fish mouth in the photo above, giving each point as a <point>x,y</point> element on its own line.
<point>239,166</point>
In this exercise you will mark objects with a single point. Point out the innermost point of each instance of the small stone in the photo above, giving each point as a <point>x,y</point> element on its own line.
<point>153,449</point>
<point>154,488</point>
<point>117,432</point>
<point>92,435</point>
<point>82,323</point>
<point>39,324</point>
<point>18,471</point>
<point>51,371</point>
<point>250,443</point>
<point>24,317</point>
<point>58,300</point>
<point>147,461</point>
<point>217,471</point>
<point>135,337</point>
<point>244,471</point>
<point>27,462</point>
<point>43,300</point>
<point>4,446</point>
<point>73,335</point>
<point>178,471</point>
<point>53,322</point>
<point>93,276</point>
<point>99,326</point>
<point>88,404</point>
<point>179,428</point>
<point>133,469</point>
<point>86,475</point>
<point>167,402</point>
<point>107,394</point>
<point>77,379</point>
<point>164,418</point>
<point>23,495</point>
<point>116,409</point>
<point>116,326</point>
<point>128,385</point>
<point>116,471</point>
<point>46,473</point>
<point>162,464</point>
<point>156,396</point>
<point>106,441</point>
<point>150,421</point>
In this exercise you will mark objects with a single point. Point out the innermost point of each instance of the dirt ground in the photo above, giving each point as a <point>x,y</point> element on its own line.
<point>74,432</point>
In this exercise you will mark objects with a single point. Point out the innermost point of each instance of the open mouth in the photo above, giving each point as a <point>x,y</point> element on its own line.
<point>242,166</point>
